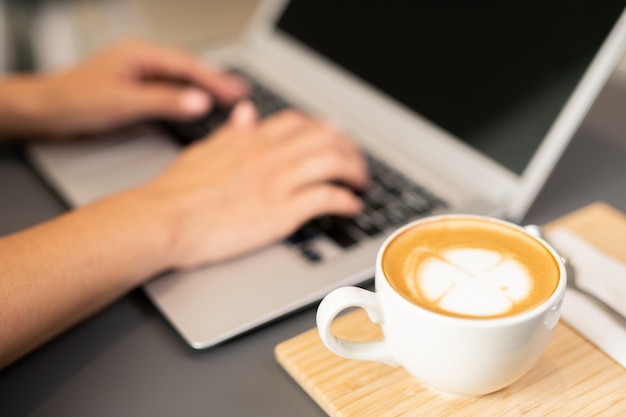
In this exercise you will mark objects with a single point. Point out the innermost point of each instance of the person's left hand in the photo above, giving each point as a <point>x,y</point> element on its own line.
<point>130,81</point>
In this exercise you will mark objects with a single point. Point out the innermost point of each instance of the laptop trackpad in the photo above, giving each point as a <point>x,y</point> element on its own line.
<point>87,170</point>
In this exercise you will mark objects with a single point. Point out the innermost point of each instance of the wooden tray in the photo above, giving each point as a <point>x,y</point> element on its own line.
<point>572,378</point>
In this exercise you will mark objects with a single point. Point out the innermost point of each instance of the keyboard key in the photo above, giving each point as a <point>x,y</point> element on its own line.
<point>310,253</point>
<point>305,233</point>
<point>396,213</point>
<point>375,197</point>
<point>365,223</point>
<point>417,202</point>
<point>377,218</point>
<point>336,229</point>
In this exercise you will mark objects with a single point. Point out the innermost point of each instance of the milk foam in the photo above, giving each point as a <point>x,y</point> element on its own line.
<point>476,282</point>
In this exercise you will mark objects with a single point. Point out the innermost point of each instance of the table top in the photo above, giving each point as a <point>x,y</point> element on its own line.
<point>126,360</point>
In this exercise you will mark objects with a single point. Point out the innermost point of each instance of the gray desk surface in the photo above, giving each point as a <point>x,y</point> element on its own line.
<point>127,361</point>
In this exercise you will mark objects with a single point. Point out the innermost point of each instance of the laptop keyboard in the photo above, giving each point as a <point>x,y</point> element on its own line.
<point>390,201</point>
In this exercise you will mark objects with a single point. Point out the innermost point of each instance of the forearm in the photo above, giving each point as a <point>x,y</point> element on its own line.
<point>56,274</point>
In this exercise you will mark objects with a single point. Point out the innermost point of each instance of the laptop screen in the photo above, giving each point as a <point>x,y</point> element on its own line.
<point>495,74</point>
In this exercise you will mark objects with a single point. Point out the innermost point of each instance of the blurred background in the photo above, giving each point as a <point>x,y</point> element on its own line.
<point>45,34</point>
<point>48,34</point>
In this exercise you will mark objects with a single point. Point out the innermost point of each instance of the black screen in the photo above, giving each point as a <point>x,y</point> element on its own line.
<point>493,73</point>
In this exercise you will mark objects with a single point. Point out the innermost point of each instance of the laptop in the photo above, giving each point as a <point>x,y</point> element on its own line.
<point>461,108</point>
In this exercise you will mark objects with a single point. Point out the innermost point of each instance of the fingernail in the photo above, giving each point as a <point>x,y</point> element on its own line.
<point>195,101</point>
<point>244,114</point>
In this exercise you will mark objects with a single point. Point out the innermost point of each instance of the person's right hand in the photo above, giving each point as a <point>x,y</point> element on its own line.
<point>254,183</point>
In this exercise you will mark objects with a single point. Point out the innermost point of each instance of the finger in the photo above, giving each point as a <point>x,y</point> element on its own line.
<point>324,199</point>
<point>315,134</point>
<point>327,165</point>
<point>316,152</point>
<point>168,101</point>
<point>178,64</point>
<point>306,133</point>
<point>283,124</point>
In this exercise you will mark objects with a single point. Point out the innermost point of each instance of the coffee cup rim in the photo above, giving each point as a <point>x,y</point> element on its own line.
<point>550,303</point>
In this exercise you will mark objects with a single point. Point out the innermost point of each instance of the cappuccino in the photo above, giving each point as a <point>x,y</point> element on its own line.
<point>470,268</point>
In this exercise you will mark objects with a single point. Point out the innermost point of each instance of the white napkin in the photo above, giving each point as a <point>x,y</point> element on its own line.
<point>605,277</point>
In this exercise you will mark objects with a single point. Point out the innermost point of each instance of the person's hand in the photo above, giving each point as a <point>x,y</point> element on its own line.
<point>254,183</point>
<point>129,81</point>
<point>247,185</point>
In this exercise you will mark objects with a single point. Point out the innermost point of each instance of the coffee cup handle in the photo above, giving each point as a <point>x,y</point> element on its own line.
<point>339,300</point>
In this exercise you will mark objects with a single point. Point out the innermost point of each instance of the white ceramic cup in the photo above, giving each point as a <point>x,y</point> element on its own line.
<point>460,356</point>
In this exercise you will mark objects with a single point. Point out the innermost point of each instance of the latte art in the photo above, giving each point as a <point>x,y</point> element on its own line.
<point>470,268</point>
<point>473,282</point>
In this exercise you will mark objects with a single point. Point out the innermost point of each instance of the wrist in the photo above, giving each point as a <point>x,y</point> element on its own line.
<point>23,105</point>
<point>165,216</point>
<point>184,221</point>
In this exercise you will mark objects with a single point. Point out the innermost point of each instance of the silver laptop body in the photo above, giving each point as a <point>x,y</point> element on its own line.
<point>212,304</point>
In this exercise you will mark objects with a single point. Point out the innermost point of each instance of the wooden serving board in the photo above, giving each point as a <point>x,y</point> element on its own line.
<point>572,378</point>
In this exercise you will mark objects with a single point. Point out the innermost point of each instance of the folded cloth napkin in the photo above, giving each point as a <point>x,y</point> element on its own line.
<point>605,277</point>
